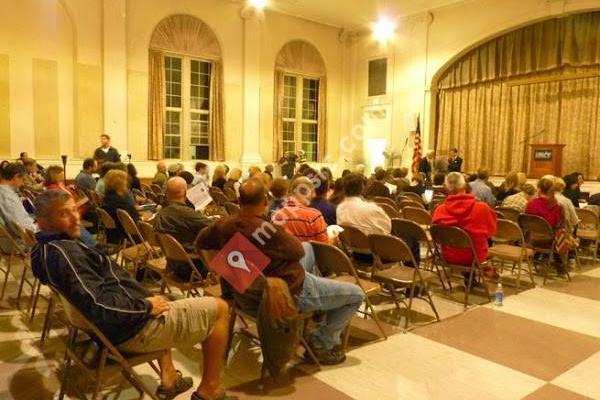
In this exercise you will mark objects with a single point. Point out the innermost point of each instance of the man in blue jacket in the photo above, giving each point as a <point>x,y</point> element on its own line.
<point>127,313</point>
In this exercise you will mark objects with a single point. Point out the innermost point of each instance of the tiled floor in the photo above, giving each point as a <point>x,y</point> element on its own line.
<point>544,343</point>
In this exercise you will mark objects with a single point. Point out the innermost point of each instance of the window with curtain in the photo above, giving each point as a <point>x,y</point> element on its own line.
<point>300,126</point>
<point>187,116</point>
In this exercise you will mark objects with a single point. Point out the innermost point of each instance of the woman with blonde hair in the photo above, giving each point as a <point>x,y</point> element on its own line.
<point>509,187</point>
<point>233,181</point>
<point>521,179</point>
<point>545,204</point>
<point>218,178</point>
<point>118,197</point>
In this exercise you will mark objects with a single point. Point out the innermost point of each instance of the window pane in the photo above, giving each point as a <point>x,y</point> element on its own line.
<point>199,85</point>
<point>309,140</point>
<point>173,82</point>
<point>173,134</point>
<point>199,128</point>
<point>310,98</point>
<point>289,97</point>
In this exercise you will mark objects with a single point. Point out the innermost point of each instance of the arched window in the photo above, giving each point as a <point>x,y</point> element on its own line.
<point>300,112</point>
<point>186,87</point>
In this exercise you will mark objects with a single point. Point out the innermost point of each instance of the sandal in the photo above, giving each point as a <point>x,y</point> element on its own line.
<point>182,385</point>
<point>219,396</point>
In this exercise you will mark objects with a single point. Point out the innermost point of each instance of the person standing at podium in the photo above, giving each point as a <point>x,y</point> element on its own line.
<point>106,152</point>
<point>454,161</point>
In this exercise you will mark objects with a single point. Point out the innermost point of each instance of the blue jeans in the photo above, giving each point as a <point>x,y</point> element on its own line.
<point>308,261</point>
<point>339,300</point>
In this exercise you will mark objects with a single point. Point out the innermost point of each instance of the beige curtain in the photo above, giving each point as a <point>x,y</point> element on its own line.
<point>156,106</point>
<point>322,120</point>
<point>277,116</point>
<point>216,106</point>
<point>493,122</point>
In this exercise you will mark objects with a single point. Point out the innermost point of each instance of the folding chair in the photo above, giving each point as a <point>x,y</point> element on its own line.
<point>418,215</point>
<point>140,249</point>
<point>232,208</point>
<point>218,197</point>
<point>156,189</point>
<point>385,200</point>
<point>410,203</point>
<point>452,236</point>
<point>174,251</point>
<point>414,197</point>
<point>337,262</point>
<point>110,360</point>
<point>512,248</point>
<point>389,210</point>
<point>509,213</point>
<point>106,223</point>
<point>230,194</point>
<point>410,230</point>
<point>16,251</point>
<point>539,236</point>
<point>155,261</point>
<point>391,253</point>
<point>145,187</point>
<point>28,241</point>
<point>588,230</point>
<point>354,243</point>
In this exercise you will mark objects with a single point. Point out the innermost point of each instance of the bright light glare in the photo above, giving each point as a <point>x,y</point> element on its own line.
<point>258,4</point>
<point>384,29</point>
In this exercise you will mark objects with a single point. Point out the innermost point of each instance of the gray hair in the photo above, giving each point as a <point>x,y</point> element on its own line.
<point>45,202</point>
<point>455,181</point>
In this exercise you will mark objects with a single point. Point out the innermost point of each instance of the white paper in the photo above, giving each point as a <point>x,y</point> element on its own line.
<point>199,196</point>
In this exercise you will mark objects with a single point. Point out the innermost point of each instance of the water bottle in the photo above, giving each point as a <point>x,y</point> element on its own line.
<point>499,295</point>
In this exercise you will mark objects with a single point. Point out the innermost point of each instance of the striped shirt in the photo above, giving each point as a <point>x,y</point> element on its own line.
<point>304,222</point>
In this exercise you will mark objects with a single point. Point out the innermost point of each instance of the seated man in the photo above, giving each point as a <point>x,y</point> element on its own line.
<point>462,209</point>
<point>339,300</point>
<point>320,202</point>
<point>160,178</point>
<point>180,221</point>
<point>84,180</point>
<point>377,185</point>
<point>519,201</point>
<point>300,220</point>
<point>356,212</point>
<point>481,189</point>
<point>127,313</point>
<point>11,207</point>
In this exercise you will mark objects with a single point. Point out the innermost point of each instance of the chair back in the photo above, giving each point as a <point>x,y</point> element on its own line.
<point>156,189</point>
<point>354,240</point>
<point>387,248</point>
<point>145,187</point>
<point>95,198</point>
<point>15,247</point>
<point>138,193</point>
<point>131,229</point>
<point>535,227</point>
<point>27,237</point>
<point>451,236</point>
<point>588,219</point>
<point>148,233</point>
<point>410,203</point>
<point>391,212</point>
<point>173,250</point>
<point>510,231</point>
<point>105,219</point>
<point>232,208</point>
<point>385,200</point>
<point>414,197</point>
<point>218,197</point>
<point>509,213</point>
<point>230,194</point>
<point>404,228</point>
<point>418,215</point>
<point>333,259</point>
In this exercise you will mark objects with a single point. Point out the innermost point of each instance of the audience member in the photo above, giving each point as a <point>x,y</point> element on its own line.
<point>545,204</point>
<point>160,178</point>
<point>328,175</point>
<point>521,179</point>
<point>426,165</point>
<point>339,300</point>
<point>201,174</point>
<point>337,196</point>
<point>417,185</point>
<point>320,202</point>
<point>519,200</point>
<point>571,190</point>
<point>187,177</point>
<point>480,188</point>
<point>174,169</point>
<point>269,170</point>
<point>278,189</point>
<point>254,172</point>
<point>11,207</point>
<point>118,197</point>
<point>462,210</point>
<point>85,180</point>
<point>233,181</point>
<point>288,164</point>
<point>32,179</point>
<point>112,300</point>
<point>106,152</point>
<point>568,209</point>
<point>218,178</point>
<point>297,217</point>
<point>454,161</point>
<point>377,186</point>
<point>400,179</point>
<point>354,211</point>
<point>134,181</point>
<point>509,187</point>
<point>265,178</point>
<point>346,172</point>
<point>181,222</point>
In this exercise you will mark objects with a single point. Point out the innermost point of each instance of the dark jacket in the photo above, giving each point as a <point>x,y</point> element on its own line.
<point>455,164</point>
<point>327,208</point>
<point>111,203</point>
<point>219,182</point>
<point>93,283</point>
<point>111,155</point>
<point>377,188</point>
<point>572,195</point>
<point>181,222</point>
<point>425,167</point>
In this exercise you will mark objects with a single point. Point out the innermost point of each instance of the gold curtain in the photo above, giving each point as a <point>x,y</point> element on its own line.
<point>492,121</point>
<point>322,120</point>
<point>277,116</point>
<point>216,106</point>
<point>156,105</point>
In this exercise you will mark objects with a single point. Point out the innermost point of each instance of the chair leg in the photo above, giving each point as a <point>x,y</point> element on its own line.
<point>35,299</point>
<point>232,318</point>
<point>375,317</point>
<point>6,275</point>
<point>481,278</point>
<point>311,353</point>
<point>47,319</point>
<point>468,288</point>
<point>518,275</point>
<point>437,316</point>
<point>20,291</point>
<point>410,300</point>
<point>66,363</point>
<point>530,269</point>
<point>99,373</point>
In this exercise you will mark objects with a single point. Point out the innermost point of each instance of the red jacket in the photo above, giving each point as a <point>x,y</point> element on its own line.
<point>541,207</point>
<point>475,217</point>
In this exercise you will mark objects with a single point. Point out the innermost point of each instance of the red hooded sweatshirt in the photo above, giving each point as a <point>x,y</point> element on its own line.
<point>475,217</point>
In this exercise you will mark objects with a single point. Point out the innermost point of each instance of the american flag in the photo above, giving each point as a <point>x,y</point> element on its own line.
<point>417,150</point>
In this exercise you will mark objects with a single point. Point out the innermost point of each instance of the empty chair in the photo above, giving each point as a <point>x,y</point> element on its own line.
<point>512,248</point>
<point>588,229</point>
<point>509,213</point>
<point>16,252</point>
<point>338,264</point>
<point>539,236</point>
<point>389,210</point>
<point>454,237</point>
<point>390,249</point>
<point>410,203</point>
<point>414,197</point>
<point>418,215</point>
<point>357,246</point>
<point>139,249</point>
<point>155,261</point>
<point>385,200</point>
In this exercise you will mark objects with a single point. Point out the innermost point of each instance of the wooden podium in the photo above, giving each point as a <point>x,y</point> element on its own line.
<point>546,159</point>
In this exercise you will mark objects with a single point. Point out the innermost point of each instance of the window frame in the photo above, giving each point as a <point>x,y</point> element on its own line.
<point>185,111</point>
<point>299,119</point>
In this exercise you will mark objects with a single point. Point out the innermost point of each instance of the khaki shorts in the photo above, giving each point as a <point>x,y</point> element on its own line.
<point>188,321</point>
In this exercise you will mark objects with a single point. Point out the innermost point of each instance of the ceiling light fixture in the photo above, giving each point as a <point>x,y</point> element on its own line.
<point>258,4</point>
<point>384,29</point>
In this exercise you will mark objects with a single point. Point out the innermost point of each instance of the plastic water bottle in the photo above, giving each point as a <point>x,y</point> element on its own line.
<point>499,295</point>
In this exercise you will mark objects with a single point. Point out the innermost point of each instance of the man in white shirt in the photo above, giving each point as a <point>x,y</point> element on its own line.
<point>354,211</point>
